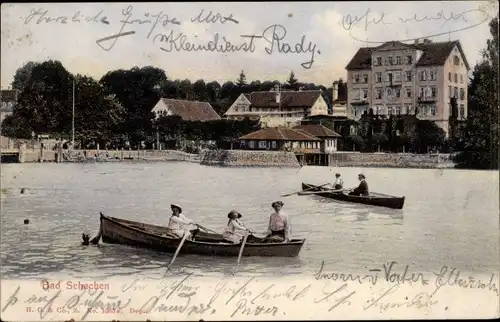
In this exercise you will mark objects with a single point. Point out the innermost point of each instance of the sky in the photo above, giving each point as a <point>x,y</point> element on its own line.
<point>315,40</point>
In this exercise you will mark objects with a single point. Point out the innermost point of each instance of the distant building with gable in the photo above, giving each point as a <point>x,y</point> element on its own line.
<point>187,110</point>
<point>278,108</point>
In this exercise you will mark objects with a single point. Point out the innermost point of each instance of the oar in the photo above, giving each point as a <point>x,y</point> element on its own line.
<point>290,194</point>
<point>314,192</point>
<point>206,229</point>
<point>186,234</point>
<point>241,252</point>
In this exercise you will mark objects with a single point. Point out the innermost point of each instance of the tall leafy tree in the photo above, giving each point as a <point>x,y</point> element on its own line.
<point>22,75</point>
<point>479,140</point>
<point>292,82</point>
<point>242,80</point>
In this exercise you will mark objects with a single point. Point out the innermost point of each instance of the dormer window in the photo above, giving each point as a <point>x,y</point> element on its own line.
<point>456,60</point>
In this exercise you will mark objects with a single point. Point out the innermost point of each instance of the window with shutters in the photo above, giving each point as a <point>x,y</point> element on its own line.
<point>462,94</point>
<point>408,76</point>
<point>355,78</point>
<point>398,60</point>
<point>390,60</point>
<point>378,77</point>
<point>398,110</point>
<point>398,93</point>
<point>397,77</point>
<point>432,75</point>
<point>409,60</point>
<point>422,75</point>
<point>449,77</point>
<point>456,78</point>
<point>364,93</point>
<point>408,92</point>
<point>378,92</point>
<point>433,92</point>
<point>386,77</point>
<point>389,93</point>
<point>421,92</point>
<point>378,61</point>
<point>365,78</point>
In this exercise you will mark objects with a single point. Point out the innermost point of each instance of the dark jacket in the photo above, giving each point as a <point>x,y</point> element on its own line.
<point>362,189</point>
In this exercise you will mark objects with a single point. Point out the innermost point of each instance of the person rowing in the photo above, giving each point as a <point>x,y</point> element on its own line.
<point>362,189</point>
<point>339,183</point>
<point>279,224</point>
<point>235,229</point>
<point>179,224</point>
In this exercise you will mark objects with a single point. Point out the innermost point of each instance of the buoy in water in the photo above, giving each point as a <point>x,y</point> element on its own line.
<point>26,221</point>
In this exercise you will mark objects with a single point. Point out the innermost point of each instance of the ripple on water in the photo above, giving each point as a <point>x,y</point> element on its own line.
<point>60,211</point>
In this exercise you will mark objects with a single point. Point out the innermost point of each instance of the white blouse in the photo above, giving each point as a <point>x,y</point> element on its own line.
<point>280,221</point>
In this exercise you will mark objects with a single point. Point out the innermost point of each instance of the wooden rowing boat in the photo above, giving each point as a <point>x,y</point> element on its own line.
<point>375,199</point>
<point>132,233</point>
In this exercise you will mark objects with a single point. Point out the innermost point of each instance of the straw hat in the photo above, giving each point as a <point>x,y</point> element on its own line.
<point>176,206</point>
<point>233,214</point>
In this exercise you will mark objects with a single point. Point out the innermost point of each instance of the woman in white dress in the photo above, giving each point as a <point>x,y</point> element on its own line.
<point>235,229</point>
<point>179,223</point>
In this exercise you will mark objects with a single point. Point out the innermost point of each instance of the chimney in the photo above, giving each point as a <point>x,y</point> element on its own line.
<point>335,87</point>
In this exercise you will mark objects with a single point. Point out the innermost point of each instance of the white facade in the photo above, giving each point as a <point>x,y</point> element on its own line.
<point>273,116</point>
<point>395,82</point>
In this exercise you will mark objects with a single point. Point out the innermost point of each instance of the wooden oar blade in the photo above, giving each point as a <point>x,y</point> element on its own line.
<point>302,193</point>
<point>298,192</point>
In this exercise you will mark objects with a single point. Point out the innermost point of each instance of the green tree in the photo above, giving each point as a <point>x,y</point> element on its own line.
<point>292,82</point>
<point>478,143</point>
<point>137,90</point>
<point>242,80</point>
<point>22,75</point>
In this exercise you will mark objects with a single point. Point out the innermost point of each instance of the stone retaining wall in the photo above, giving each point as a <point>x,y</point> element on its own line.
<point>396,160</point>
<point>245,158</point>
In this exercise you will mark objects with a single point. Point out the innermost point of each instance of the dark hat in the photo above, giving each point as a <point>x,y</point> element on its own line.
<point>361,175</point>
<point>234,214</point>
<point>277,203</point>
<point>337,174</point>
<point>176,206</point>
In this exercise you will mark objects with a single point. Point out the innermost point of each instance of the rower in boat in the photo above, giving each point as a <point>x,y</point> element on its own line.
<point>179,224</point>
<point>279,229</point>
<point>339,183</point>
<point>362,189</point>
<point>235,229</point>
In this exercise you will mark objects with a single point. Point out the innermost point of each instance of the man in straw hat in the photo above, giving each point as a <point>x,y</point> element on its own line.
<point>235,229</point>
<point>279,225</point>
<point>362,189</point>
<point>179,224</point>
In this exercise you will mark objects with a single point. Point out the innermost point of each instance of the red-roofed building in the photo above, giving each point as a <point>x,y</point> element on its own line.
<point>278,108</point>
<point>419,78</point>
<point>310,138</point>
<point>187,110</point>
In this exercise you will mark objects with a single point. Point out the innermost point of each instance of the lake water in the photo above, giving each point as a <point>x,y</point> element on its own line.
<point>450,217</point>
